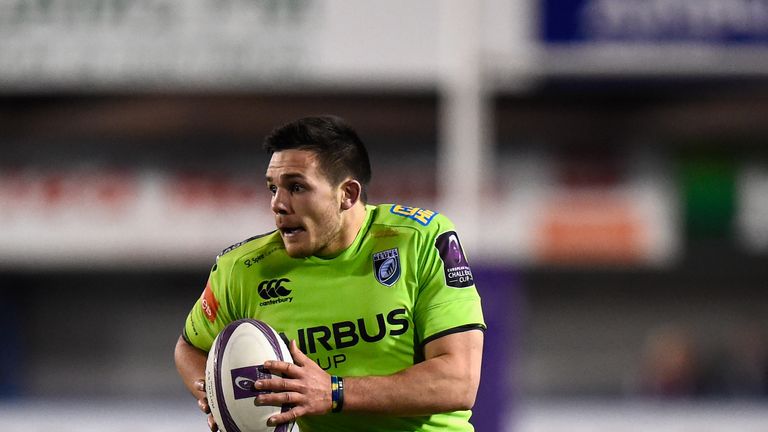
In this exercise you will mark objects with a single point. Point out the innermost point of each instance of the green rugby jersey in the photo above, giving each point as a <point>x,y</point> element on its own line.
<point>369,311</point>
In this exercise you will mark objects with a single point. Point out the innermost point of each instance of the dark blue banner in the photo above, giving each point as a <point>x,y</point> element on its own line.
<point>655,21</point>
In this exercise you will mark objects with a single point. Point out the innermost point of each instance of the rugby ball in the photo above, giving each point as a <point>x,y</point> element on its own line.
<point>234,364</point>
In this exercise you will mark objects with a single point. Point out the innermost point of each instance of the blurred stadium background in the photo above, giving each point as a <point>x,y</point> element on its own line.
<point>605,161</point>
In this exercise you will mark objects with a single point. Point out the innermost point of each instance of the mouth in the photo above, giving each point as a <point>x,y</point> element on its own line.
<point>290,232</point>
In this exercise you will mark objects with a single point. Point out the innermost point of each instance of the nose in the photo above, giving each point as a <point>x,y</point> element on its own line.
<point>281,202</point>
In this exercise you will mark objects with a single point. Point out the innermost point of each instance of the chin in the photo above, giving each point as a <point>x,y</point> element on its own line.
<point>296,252</point>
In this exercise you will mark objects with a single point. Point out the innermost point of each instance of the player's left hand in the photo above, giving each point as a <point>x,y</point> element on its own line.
<point>304,385</point>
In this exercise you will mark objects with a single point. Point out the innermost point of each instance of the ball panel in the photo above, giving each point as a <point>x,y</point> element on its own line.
<point>221,349</point>
<point>234,364</point>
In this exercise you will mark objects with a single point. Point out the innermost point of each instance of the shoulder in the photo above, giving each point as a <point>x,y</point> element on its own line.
<point>435,232</point>
<point>252,246</point>
<point>419,218</point>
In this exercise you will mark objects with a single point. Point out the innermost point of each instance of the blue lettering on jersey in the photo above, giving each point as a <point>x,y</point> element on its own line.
<point>420,215</point>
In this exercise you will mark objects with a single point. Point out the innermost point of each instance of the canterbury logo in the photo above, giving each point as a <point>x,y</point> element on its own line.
<point>273,288</point>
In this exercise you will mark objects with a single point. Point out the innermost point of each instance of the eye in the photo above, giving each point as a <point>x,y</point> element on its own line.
<point>297,187</point>
<point>272,189</point>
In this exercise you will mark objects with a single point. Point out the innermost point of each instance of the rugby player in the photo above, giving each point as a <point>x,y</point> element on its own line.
<point>380,298</point>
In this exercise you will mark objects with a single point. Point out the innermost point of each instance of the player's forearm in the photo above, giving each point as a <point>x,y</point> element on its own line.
<point>446,381</point>
<point>430,387</point>
<point>190,362</point>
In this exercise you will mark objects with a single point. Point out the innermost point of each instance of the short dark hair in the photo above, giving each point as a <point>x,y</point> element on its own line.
<point>339,149</point>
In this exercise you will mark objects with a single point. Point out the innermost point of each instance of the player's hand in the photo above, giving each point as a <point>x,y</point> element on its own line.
<point>202,403</point>
<point>304,385</point>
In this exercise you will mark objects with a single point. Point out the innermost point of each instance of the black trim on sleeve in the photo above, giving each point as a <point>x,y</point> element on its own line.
<point>459,329</point>
<point>238,244</point>
<point>184,335</point>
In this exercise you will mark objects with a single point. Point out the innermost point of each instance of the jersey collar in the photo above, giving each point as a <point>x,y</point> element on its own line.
<point>351,251</point>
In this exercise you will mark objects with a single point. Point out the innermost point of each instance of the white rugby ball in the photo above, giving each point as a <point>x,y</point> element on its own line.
<point>234,363</point>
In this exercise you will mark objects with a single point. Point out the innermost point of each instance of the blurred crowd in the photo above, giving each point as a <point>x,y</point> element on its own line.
<point>677,364</point>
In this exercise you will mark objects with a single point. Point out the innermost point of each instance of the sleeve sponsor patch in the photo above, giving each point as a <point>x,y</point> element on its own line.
<point>420,215</point>
<point>208,303</point>
<point>455,265</point>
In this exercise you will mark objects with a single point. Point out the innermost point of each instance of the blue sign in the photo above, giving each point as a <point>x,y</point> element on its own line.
<point>655,21</point>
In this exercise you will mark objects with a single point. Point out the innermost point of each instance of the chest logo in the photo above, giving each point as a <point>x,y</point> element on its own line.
<point>386,266</point>
<point>273,288</point>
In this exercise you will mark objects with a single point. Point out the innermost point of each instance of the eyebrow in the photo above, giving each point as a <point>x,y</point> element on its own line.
<point>287,176</point>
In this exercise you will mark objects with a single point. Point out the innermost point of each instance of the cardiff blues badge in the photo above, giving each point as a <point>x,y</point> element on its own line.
<point>386,266</point>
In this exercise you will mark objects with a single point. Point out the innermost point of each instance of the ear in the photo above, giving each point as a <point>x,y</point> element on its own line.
<point>350,193</point>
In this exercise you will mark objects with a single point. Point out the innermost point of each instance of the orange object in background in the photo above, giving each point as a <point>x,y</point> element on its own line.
<point>589,230</point>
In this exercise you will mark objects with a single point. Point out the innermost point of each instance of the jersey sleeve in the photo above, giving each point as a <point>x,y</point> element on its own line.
<point>448,300</point>
<point>212,311</point>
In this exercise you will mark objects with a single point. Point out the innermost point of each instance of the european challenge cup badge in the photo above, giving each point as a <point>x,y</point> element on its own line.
<point>457,271</point>
<point>386,266</point>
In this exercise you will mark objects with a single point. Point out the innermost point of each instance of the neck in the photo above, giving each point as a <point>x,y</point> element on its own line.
<point>351,223</point>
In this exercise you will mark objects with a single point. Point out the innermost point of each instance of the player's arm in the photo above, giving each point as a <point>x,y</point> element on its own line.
<point>447,380</point>
<point>209,315</point>
<point>190,362</point>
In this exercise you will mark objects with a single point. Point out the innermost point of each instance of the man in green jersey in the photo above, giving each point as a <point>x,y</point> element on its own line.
<point>379,299</point>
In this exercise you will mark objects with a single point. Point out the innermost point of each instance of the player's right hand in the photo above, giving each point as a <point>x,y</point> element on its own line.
<point>202,403</point>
